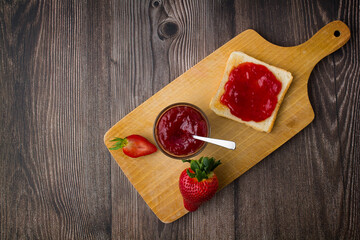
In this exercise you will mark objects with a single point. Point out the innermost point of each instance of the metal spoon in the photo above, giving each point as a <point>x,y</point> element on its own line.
<point>223,143</point>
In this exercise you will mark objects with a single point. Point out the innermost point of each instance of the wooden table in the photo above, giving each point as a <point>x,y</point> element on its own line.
<point>71,70</point>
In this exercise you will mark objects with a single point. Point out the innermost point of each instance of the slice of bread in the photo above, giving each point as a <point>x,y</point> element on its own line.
<point>234,60</point>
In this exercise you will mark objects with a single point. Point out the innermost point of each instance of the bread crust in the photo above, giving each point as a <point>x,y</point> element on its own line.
<point>234,60</point>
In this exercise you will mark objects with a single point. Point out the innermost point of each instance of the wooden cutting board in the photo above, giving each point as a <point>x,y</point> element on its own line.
<point>156,176</point>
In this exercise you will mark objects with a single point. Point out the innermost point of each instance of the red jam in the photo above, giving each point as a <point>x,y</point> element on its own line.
<point>251,92</point>
<point>175,128</point>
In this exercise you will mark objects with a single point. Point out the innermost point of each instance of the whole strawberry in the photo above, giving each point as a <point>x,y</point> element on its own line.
<point>134,146</point>
<point>198,183</point>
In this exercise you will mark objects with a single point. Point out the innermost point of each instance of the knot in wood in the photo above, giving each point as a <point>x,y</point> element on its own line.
<point>156,3</point>
<point>167,29</point>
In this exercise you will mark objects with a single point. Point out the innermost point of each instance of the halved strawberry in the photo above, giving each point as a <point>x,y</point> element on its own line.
<point>134,146</point>
<point>198,183</point>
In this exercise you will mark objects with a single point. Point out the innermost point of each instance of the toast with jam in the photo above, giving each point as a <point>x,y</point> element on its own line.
<point>251,91</point>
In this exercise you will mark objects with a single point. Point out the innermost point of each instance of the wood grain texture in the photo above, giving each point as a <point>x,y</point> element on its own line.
<point>54,109</point>
<point>347,85</point>
<point>62,85</point>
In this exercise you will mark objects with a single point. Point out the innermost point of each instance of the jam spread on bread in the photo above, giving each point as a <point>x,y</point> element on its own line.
<point>175,128</point>
<point>251,92</point>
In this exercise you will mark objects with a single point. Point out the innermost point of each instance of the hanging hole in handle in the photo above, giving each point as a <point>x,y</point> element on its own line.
<point>337,33</point>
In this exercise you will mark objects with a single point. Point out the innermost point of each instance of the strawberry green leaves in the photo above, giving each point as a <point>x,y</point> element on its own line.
<point>120,143</point>
<point>201,168</point>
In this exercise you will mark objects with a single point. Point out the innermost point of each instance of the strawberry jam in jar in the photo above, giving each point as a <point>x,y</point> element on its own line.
<point>174,127</point>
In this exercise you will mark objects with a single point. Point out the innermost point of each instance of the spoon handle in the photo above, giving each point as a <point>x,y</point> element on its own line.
<point>219,142</point>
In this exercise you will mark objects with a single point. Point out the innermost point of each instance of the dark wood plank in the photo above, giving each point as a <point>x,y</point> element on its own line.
<point>347,85</point>
<point>55,171</point>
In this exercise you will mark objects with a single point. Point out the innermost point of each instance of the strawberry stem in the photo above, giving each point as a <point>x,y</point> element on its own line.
<point>120,143</point>
<point>202,168</point>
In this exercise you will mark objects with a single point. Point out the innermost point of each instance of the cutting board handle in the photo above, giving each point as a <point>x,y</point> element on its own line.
<point>326,41</point>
